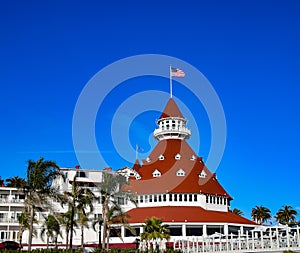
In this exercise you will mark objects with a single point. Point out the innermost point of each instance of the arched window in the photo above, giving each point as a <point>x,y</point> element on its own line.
<point>203,174</point>
<point>177,157</point>
<point>156,173</point>
<point>180,173</point>
<point>193,158</point>
<point>137,176</point>
<point>161,157</point>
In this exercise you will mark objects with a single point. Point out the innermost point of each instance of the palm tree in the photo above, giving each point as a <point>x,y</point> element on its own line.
<point>1,182</point>
<point>39,177</point>
<point>51,228</point>
<point>153,230</point>
<point>261,214</point>
<point>115,215</point>
<point>111,190</point>
<point>237,211</point>
<point>16,182</point>
<point>79,199</point>
<point>23,224</point>
<point>83,220</point>
<point>65,220</point>
<point>286,215</point>
<point>98,221</point>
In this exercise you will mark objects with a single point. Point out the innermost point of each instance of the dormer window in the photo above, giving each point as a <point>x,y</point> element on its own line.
<point>180,173</point>
<point>177,157</point>
<point>193,158</point>
<point>148,160</point>
<point>203,174</point>
<point>161,157</point>
<point>137,176</point>
<point>156,173</point>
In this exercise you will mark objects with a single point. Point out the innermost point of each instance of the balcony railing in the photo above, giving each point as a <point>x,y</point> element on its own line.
<point>8,220</point>
<point>8,200</point>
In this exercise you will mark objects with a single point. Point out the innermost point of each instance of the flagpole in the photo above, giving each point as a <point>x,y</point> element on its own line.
<point>136,152</point>
<point>171,91</point>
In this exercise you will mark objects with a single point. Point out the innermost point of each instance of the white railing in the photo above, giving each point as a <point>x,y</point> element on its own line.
<point>8,220</point>
<point>8,200</point>
<point>255,241</point>
<point>181,130</point>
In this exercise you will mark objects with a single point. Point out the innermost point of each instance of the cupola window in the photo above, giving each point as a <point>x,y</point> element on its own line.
<point>177,157</point>
<point>161,157</point>
<point>156,173</point>
<point>180,173</point>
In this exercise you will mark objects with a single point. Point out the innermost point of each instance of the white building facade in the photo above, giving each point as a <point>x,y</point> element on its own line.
<point>172,183</point>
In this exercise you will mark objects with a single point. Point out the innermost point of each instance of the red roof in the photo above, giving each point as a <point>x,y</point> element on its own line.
<point>171,110</point>
<point>169,166</point>
<point>184,214</point>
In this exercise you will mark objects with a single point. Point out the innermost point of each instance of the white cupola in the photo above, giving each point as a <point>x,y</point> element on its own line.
<point>171,124</point>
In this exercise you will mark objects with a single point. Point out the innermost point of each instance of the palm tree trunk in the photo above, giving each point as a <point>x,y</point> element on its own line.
<point>82,239</point>
<point>21,235</point>
<point>47,241</point>
<point>71,226</point>
<point>67,237</point>
<point>104,212</point>
<point>55,239</point>
<point>107,238</point>
<point>30,227</point>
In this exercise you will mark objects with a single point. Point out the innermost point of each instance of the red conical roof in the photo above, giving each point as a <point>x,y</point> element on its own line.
<point>169,166</point>
<point>171,110</point>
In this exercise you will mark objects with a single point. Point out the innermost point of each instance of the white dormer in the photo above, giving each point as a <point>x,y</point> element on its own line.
<point>180,173</point>
<point>137,176</point>
<point>203,174</point>
<point>156,173</point>
<point>178,156</point>
<point>161,157</point>
<point>148,160</point>
<point>193,158</point>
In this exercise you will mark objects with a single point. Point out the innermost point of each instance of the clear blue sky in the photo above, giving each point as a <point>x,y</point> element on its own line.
<point>249,51</point>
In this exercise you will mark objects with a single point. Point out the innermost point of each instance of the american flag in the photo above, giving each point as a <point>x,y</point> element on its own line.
<point>177,72</point>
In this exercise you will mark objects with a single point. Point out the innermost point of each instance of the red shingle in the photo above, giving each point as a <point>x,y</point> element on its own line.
<point>171,110</point>
<point>184,214</point>
<point>169,181</point>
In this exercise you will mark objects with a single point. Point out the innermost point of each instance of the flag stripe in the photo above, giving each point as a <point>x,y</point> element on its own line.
<point>177,72</point>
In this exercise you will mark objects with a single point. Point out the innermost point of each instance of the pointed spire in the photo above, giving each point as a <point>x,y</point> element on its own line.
<point>171,124</point>
<point>171,110</point>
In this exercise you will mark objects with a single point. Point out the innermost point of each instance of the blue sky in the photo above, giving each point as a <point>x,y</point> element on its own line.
<point>248,50</point>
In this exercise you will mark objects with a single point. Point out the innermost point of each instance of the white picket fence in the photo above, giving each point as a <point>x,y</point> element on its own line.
<point>269,239</point>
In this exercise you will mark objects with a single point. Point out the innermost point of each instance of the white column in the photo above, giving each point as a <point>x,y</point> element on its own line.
<point>122,231</point>
<point>225,229</point>
<point>271,240</point>
<point>277,238</point>
<point>252,239</point>
<point>242,230</point>
<point>239,239</point>
<point>298,238</point>
<point>287,237</point>
<point>247,239</point>
<point>183,228</point>
<point>204,230</point>
<point>262,239</point>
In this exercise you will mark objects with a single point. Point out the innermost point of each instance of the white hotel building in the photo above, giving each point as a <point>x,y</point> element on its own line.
<point>173,183</point>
